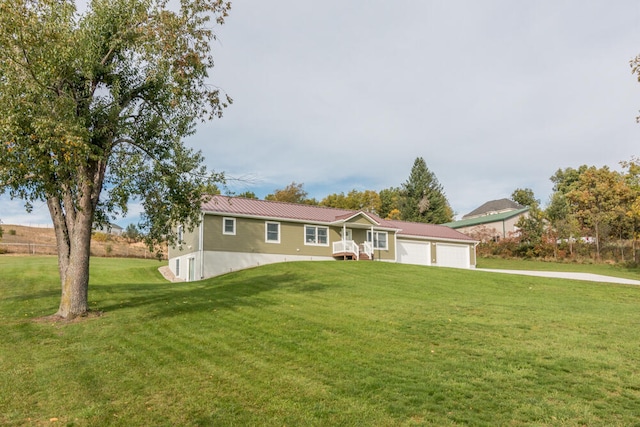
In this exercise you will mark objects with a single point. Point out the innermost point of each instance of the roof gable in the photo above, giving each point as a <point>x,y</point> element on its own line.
<point>358,217</point>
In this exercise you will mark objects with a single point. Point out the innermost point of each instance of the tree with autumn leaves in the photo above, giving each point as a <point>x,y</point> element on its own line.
<point>596,204</point>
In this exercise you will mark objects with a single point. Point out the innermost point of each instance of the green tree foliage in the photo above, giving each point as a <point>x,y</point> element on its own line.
<point>525,197</point>
<point>598,199</point>
<point>101,101</point>
<point>248,195</point>
<point>632,178</point>
<point>390,203</point>
<point>131,233</point>
<point>292,193</point>
<point>563,221</point>
<point>531,225</point>
<point>367,200</point>
<point>564,179</point>
<point>422,197</point>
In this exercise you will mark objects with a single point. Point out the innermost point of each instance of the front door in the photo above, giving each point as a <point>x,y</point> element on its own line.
<point>348,234</point>
<point>192,269</point>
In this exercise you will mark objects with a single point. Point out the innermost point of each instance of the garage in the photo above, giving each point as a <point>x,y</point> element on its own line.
<point>449,255</point>
<point>411,252</point>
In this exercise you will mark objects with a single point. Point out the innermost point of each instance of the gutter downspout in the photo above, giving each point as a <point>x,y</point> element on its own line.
<point>201,248</point>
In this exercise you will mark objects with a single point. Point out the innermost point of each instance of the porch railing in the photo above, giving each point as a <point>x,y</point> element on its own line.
<point>367,248</point>
<point>346,246</point>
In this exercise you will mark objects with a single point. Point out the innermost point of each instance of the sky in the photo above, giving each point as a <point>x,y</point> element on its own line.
<point>341,95</point>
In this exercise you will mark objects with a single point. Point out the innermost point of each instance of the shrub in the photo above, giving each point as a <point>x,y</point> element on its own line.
<point>101,237</point>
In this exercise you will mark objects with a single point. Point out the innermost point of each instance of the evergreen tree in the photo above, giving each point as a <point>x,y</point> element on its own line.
<point>422,197</point>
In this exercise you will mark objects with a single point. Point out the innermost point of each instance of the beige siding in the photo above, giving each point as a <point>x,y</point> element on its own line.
<point>472,255</point>
<point>251,237</point>
<point>490,230</point>
<point>188,245</point>
<point>390,253</point>
<point>359,220</point>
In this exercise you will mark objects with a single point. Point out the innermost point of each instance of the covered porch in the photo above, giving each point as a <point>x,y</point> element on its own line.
<point>357,238</point>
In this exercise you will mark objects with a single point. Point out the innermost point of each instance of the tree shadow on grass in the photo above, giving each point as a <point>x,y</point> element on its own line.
<point>48,293</point>
<point>171,299</point>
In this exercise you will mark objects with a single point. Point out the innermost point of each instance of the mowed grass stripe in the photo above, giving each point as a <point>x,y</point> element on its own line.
<point>335,343</point>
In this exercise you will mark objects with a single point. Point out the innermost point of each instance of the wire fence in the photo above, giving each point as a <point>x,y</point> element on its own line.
<point>97,249</point>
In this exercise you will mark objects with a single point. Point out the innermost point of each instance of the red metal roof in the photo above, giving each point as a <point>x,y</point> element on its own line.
<point>427,230</point>
<point>269,209</point>
<point>293,211</point>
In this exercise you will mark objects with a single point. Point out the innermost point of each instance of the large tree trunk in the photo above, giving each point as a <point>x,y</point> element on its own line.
<point>73,236</point>
<point>72,216</point>
<point>75,281</point>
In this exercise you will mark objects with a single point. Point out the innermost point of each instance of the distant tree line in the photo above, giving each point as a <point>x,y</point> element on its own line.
<point>420,199</point>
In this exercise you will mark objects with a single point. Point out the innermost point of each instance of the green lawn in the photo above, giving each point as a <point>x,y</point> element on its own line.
<point>322,343</point>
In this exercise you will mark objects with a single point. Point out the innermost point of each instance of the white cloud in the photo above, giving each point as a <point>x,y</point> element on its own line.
<point>494,95</point>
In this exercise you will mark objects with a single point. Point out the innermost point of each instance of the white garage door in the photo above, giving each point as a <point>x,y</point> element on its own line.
<point>414,252</point>
<point>452,255</point>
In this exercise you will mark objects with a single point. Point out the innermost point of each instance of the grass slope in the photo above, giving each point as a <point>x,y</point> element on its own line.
<point>323,343</point>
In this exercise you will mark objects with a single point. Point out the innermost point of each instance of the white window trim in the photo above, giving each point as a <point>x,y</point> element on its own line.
<point>317,227</point>
<point>224,228</point>
<point>266,231</point>
<point>376,240</point>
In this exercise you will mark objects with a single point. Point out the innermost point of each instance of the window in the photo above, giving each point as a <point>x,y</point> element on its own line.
<point>316,235</point>
<point>178,267</point>
<point>272,232</point>
<point>180,234</point>
<point>229,226</point>
<point>379,239</point>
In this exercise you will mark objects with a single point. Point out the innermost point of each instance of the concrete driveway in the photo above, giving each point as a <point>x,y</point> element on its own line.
<point>566,275</point>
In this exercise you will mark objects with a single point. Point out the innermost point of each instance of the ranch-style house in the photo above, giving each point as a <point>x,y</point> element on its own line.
<point>236,233</point>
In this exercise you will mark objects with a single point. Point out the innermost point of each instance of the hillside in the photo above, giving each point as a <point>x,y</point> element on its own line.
<point>317,344</point>
<point>20,239</point>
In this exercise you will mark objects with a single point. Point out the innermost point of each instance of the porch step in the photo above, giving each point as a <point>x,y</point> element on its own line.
<point>344,255</point>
